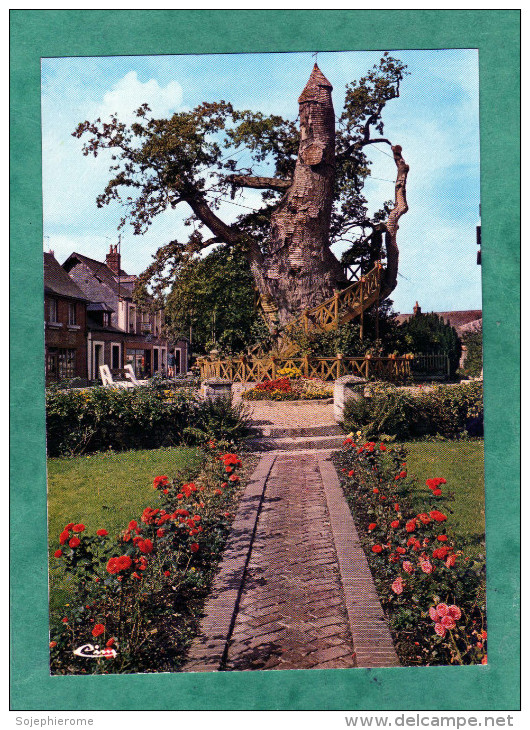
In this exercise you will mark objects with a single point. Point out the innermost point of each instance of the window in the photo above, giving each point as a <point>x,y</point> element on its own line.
<point>52,310</point>
<point>115,357</point>
<point>60,363</point>
<point>72,313</point>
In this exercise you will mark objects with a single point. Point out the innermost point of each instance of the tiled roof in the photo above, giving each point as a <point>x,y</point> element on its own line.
<point>57,281</point>
<point>103,272</point>
<point>456,319</point>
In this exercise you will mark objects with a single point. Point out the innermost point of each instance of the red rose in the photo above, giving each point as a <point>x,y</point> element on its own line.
<point>58,553</point>
<point>350,473</point>
<point>394,524</point>
<point>110,642</point>
<point>63,537</point>
<point>69,526</point>
<point>376,548</point>
<point>98,630</point>
<point>53,644</point>
<point>438,516</point>
<point>217,491</point>
<point>400,550</point>
<point>167,573</point>
<point>375,490</point>
<point>410,526</point>
<point>78,528</point>
<point>132,525</point>
<point>372,526</point>
<point>160,532</point>
<point>74,542</point>
<point>194,547</point>
<point>102,533</point>
<point>233,478</point>
<point>442,538</point>
<point>64,620</point>
<point>437,492</point>
<point>145,546</point>
<point>402,474</point>
<point>160,481</point>
<point>382,447</point>
<point>396,507</point>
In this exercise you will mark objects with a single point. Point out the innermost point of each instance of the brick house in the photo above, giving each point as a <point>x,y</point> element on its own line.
<point>65,324</point>
<point>118,332</point>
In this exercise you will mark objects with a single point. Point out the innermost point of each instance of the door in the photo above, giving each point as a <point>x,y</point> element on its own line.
<point>98,360</point>
<point>155,360</point>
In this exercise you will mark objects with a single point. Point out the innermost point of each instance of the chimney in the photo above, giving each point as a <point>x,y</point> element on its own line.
<point>417,309</point>
<point>113,259</point>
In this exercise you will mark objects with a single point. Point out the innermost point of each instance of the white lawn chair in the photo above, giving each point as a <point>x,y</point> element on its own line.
<point>129,373</point>
<point>109,382</point>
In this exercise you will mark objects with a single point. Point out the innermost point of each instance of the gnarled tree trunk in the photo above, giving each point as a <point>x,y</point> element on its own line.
<point>299,269</point>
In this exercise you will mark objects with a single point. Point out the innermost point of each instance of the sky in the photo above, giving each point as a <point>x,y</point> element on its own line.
<point>435,120</point>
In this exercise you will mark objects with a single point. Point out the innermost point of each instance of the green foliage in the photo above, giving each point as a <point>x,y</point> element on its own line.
<point>212,299</point>
<point>445,410</point>
<point>429,334</point>
<point>346,338</point>
<point>473,362</point>
<point>98,419</point>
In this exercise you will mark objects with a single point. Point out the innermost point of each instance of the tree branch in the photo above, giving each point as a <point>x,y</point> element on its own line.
<point>267,183</point>
<point>399,209</point>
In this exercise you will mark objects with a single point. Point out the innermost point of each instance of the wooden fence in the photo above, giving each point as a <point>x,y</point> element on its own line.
<point>251,369</point>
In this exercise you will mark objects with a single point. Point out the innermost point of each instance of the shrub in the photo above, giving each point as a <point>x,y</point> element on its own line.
<point>421,574</point>
<point>447,410</point>
<point>429,333</point>
<point>146,417</point>
<point>473,362</point>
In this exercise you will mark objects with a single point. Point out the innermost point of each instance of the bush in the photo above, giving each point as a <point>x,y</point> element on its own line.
<point>432,592</point>
<point>98,419</point>
<point>429,333</point>
<point>448,411</point>
<point>473,362</point>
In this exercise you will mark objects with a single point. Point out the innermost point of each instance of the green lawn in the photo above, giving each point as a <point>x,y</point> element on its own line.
<point>462,464</point>
<point>107,490</point>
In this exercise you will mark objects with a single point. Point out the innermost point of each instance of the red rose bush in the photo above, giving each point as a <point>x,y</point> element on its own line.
<point>140,591</point>
<point>431,591</point>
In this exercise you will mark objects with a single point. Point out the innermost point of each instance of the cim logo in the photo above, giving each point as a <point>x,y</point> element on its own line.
<point>91,651</point>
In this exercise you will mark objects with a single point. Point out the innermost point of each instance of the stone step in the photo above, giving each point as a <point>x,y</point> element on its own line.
<point>264,430</point>
<point>298,443</point>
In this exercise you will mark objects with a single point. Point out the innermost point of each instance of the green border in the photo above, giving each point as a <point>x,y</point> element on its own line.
<point>496,33</point>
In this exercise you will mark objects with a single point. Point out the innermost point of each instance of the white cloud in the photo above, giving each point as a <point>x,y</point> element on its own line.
<point>129,93</point>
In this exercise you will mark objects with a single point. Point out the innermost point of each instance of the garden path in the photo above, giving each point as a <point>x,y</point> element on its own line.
<point>294,590</point>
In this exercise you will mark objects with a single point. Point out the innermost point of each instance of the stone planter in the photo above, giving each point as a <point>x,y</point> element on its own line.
<point>347,387</point>
<point>215,388</point>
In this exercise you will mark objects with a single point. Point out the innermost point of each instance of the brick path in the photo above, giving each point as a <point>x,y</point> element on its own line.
<point>291,612</point>
<point>294,590</point>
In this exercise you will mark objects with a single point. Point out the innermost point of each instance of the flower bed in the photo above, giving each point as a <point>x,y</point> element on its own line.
<point>137,596</point>
<point>289,388</point>
<point>432,593</point>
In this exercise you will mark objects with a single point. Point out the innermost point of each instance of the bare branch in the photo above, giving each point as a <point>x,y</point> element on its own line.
<point>399,209</point>
<point>262,183</point>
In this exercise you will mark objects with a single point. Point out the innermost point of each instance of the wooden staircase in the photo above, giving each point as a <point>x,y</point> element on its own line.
<point>342,307</point>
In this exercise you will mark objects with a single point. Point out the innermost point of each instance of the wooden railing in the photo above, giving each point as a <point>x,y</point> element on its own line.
<point>342,307</point>
<point>250,369</point>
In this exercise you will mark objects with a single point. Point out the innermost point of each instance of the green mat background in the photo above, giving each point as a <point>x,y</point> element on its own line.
<point>36,33</point>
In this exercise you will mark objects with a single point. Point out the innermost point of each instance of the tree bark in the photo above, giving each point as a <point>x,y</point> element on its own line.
<point>299,269</point>
<point>400,207</point>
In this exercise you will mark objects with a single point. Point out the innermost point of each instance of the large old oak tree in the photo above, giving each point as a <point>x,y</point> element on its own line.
<point>312,175</point>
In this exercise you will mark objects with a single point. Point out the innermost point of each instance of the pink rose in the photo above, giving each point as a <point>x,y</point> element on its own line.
<point>455,612</point>
<point>448,622</point>
<point>397,586</point>
<point>426,566</point>
<point>442,609</point>
<point>433,614</point>
<point>408,567</point>
<point>440,630</point>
